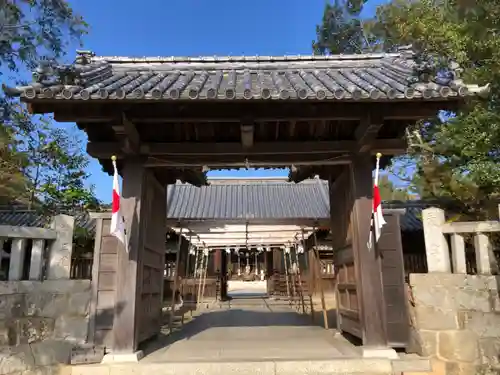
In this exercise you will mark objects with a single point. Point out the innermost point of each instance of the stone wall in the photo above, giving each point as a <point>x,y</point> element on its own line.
<point>39,323</point>
<point>456,321</point>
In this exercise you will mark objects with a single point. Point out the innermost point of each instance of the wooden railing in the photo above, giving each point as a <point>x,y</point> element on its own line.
<point>169,271</point>
<point>32,253</point>
<point>81,266</point>
<point>189,288</point>
<point>440,237</point>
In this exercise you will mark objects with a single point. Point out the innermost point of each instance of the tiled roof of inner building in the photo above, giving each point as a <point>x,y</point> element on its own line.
<point>395,76</point>
<point>258,200</point>
<point>224,202</point>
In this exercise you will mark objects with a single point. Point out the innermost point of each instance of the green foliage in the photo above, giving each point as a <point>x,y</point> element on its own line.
<point>12,180</point>
<point>342,30</point>
<point>457,155</point>
<point>35,29</point>
<point>41,165</point>
<point>453,157</point>
<point>55,167</point>
<point>389,192</point>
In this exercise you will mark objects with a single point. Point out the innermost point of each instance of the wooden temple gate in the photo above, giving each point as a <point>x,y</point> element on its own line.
<point>171,118</point>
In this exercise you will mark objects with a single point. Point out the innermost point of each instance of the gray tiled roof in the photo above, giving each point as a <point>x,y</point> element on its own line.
<point>30,218</point>
<point>266,200</point>
<point>411,220</point>
<point>336,77</point>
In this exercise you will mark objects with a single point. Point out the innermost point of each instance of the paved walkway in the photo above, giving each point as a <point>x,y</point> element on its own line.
<point>237,288</point>
<point>249,329</point>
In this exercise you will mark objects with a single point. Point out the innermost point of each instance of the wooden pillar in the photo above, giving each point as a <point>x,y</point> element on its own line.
<point>223,274</point>
<point>367,261</point>
<point>139,303</point>
<point>217,267</point>
<point>132,202</point>
<point>217,262</point>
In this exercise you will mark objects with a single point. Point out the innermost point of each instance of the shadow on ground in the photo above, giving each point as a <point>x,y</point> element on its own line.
<point>283,320</point>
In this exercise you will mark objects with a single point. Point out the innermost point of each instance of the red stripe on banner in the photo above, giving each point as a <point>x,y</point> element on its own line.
<point>376,198</point>
<point>115,205</point>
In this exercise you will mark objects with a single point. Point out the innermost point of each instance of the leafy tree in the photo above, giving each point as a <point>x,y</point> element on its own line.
<point>41,164</point>
<point>457,154</point>
<point>342,30</point>
<point>454,157</point>
<point>12,180</point>
<point>390,192</point>
<point>31,30</point>
<point>55,168</point>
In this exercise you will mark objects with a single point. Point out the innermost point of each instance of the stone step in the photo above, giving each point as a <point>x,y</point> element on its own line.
<point>345,366</point>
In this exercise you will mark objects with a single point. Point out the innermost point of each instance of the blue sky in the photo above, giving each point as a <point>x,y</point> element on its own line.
<point>198,27</point>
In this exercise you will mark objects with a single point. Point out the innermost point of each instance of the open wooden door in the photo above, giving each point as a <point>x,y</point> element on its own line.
<point>152,260</point>
<point>348,307</point>
<point>393,280</point>
<point>347,295</point>
<point>392,266</point>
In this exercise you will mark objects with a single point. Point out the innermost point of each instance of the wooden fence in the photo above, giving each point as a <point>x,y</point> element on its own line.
<point>81,266</point>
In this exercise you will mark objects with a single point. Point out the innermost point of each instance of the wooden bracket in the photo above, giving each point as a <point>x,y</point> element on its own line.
<point>367,132</point>
<point>247,135</point>
<point>128,133</point>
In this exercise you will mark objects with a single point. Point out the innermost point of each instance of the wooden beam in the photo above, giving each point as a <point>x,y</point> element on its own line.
<point>277,228</point>
<point>250,235</point>
<point>242,242</point>
<point>367,132</point>
<point>107,149</point>
<point>247,163</point>
<point>155,112</point>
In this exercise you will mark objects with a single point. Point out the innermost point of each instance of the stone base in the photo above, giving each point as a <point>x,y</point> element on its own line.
<point>339,366</point>
<point>123,357</point>
<point>370,352</point>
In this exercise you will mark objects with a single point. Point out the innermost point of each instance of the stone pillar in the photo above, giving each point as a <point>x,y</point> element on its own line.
<point>485,257</point>
<point>36,263</point>
<point>59,264</point>
<point>17,255</point>
<point>458,253</point>
<point>436,247</point>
